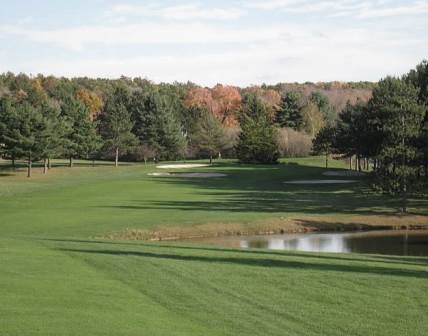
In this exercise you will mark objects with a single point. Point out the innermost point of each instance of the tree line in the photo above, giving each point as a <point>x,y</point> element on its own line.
<point>42,118</point>
<point>389,133</point>
<point>134,119</point>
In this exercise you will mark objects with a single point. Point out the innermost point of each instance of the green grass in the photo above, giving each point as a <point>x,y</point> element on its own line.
<point>57,279</point>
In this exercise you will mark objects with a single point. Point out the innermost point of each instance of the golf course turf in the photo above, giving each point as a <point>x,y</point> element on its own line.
<point>71,265</point>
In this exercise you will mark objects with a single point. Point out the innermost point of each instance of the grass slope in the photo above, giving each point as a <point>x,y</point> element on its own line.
<point>57,280</point>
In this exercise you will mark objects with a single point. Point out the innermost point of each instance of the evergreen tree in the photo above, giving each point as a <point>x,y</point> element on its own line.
<point>28,137</point>
<point>257,141</point>
<point>209,136</point>
<point>81,136</point>
<point>290,111</point>
<point>354,135</point>
<point>397,114</point>
<point>157,124</point>
<point>116,124</point>
<point>55,134</point>
<point>8,123</point>
<point>419,78</point>
<point>323,142</point>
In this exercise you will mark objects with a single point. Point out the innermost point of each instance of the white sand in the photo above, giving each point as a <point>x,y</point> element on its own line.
<point>159,174</point>
<point>182,165</point>
<point>343,173</point>
<point>202,175</point>
<point>321,182</point>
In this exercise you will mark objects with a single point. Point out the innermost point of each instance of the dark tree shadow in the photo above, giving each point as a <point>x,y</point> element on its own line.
<point>264,262</point>
<point>250,188</point>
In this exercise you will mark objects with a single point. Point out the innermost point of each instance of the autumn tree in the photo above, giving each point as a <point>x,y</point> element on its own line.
<point>324,106</point>
<point>91,100</point>
<point>269,97</point>
<point>227,102</point>
<point>312,119</point>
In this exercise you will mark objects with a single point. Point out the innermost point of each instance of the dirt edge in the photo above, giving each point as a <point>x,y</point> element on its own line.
<point>274,226</point>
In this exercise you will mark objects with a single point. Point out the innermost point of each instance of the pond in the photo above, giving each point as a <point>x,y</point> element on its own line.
<point>391,242</point>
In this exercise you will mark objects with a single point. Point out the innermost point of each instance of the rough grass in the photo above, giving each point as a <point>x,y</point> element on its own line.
<point>57,280</point>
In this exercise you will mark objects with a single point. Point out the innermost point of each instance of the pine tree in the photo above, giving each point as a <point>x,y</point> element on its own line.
<point>81,138</point>
<point>157,124</point>
<point>290,111</point>
<point>27,137</point>
<point>116,125</point>
<point>209,136</point>
<point>397,114</point>
<point>323,142</point>
<point>257,141</point>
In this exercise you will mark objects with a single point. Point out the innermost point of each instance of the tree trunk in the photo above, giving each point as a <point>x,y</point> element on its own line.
<point>404,199</point>
<point>29,166</point>
<point>49,163</point>
<point>356,163</point>
<point>116,161</point>
<point>326,160</point>
<point>71,162</point>
<point>350,163</point>
<point>211,159</point>
<point>145,161</point>
<point>13,163</point>
<point>45,166</point>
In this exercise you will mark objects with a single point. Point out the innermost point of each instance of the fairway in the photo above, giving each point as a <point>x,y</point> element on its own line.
<point>72,265</point>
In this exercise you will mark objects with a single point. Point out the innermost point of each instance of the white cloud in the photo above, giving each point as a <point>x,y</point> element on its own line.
<point>272,54</point>
<point>177,12</point>
<point>239,52</point>
<point>147,33</point>
<point>416,8</point>
<point>337,8</point>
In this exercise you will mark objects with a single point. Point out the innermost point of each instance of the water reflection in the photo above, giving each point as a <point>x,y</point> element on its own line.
<point>403,242</point>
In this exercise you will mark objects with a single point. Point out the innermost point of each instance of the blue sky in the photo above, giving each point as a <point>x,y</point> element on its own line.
<point>209,42</point>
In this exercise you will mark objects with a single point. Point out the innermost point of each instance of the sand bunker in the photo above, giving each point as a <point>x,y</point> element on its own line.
<point>343,173</point>
<point>321,182</point>
<point>182,165</point>
<point>202,175</point>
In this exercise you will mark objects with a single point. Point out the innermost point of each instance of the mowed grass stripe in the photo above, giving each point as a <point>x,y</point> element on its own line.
<point>57,279</point>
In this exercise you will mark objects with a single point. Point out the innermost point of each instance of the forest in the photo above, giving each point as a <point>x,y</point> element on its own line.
<point>381,125</point>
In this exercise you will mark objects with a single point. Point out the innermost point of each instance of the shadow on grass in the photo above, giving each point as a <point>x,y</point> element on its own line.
<point>251,188</point>
<point>259,262</point>
<point>369,258</point>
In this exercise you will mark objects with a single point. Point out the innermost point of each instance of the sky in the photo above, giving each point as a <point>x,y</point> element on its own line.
<point>208,42</point>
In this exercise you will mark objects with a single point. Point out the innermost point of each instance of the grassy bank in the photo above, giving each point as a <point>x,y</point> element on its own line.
<point>57,279</point>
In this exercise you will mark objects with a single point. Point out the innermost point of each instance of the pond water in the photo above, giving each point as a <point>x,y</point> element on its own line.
<point>391,242</point>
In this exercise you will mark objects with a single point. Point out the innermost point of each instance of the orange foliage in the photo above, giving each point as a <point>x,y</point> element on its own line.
<point>199,97</point>
<point>91,100</point>
<point>270,98</point>
<point>227,103</point>
<point>223,101</point>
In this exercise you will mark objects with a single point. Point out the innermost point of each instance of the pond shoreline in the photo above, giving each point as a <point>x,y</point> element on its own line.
<point>274,226</point>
